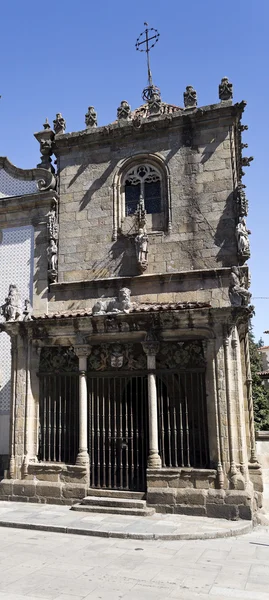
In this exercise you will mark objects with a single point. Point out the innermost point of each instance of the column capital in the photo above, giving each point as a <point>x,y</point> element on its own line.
<point>151,344</point>
<point>82,351</point>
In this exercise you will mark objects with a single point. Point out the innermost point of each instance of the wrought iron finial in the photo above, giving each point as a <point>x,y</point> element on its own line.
<point>145,45</point>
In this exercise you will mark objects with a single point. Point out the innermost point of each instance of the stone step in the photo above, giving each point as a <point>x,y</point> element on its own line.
<point>113,502</point>
<point>116,493</point>
<point>146,512</point>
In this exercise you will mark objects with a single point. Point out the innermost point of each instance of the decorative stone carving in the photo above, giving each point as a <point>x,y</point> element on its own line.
<point>242,127</point>
<point>242,234</point>
<point>122,304</point>
<point>242,202</point>
<point>58,359</point>
<point>52,250</point>
<point>45,139</point>
<point>27,312</point>
<point>239,295</point>
<point>181,355</point>
<point>246,160</point>
<point>225,90</point>
<point>190,97</point>
<point>155,103</point>
<point>116,356</point>
<point>12,308</point>
<point>151,344</point>
<point>91,117</point>
<point>124,111</point>
<point>59,124</point>
<point>141,247</point>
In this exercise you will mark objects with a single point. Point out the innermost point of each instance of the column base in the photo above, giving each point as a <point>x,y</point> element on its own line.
<point>83,459</point>
<point>154,461</point>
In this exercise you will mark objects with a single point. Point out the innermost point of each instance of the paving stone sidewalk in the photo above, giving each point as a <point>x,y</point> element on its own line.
<point>167,527</point>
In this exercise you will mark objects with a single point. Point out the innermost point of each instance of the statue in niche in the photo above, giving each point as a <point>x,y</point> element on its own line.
<point>225,89</point>
<point>190,97</point>
<point>141,247</point>
<point>59,124</point>
<point>12,308</point>
<point>52,255</point>
<point>239,295</point>
<point>122,304</point>
<point>242,234</point>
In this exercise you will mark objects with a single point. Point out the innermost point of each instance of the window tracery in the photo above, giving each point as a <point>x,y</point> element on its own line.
<point>143,184</point>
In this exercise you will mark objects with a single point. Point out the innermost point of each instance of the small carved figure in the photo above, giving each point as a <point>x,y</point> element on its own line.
<point>225,89</point>
<point>246,160</point>
<point>122,304</point>
<point>242,234</point>
<point>12,308</point>
<point>124,111</point>
<point>190,97</point>
<point>239,295</point>
<point>52,224</point>
<point>242,202</point>
<point>141,247</point>
<point>116,357</point>
<point>59,124</point>
<point>155,103</point>
<point>27,313</point>
<point>91,117</point>
<point>52,255</point>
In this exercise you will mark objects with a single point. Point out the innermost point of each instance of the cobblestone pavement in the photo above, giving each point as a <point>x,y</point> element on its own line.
<point>37,565</point>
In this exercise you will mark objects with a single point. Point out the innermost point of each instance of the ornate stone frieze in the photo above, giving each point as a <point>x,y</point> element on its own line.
<point>91,118</point>
<point>124,111</point>
<point>52,250</point>
<point>12,309</point>
<point>238,292</point>
<point>59,124</point>
<point>116,356</point>
<point>242,238</point>
<point>181,355</point>
<point>225,90</point>
<point>190,97</point>
<point>122,304</point>
<point>58,359</point>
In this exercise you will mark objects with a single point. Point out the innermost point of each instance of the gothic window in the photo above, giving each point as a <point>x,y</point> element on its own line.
<point>143,183</point>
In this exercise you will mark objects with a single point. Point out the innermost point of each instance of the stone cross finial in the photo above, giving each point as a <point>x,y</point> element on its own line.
<point>59,124</point>
<point>123,111</point>
<point>225,90</point>
<point>190,97</point>
<point>91,118</point>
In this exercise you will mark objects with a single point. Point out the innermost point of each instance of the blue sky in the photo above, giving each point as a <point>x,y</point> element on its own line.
<point>64,56</point>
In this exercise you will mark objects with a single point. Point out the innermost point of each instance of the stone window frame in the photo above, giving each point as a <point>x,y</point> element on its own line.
<point>157,162</point>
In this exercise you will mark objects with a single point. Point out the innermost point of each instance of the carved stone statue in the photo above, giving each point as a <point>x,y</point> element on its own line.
<point>190,97</point>
<point>52,255</point>
<point>116,356</point>
<point>59,124</point>
<point>12,308</point>
<point>52,224</point>
<point>124,111</point>
<point>242,202</point>
<point>155,103</point>
<point>27,313</point>
<point>141,247</point>
<point>239,295</point>
<point>122,304</point>
<point>225,89</point>
<point>242,234</point>
<point>91,117</point>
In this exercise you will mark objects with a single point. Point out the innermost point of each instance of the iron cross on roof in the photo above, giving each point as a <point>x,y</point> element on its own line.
<point>144,45</point>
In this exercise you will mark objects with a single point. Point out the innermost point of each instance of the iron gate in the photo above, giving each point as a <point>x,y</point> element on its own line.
<point>118,430</point>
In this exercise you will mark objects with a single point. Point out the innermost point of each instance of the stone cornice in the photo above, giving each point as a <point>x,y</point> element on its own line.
<point>145,279</point>
<point>27,201</point>
<point>177,120</point>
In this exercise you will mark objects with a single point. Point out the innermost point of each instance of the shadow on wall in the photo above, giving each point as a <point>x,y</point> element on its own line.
<point>120,261</point>
<point>224,236</point>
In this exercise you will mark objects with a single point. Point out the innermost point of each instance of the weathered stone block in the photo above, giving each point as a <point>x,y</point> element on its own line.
<point>48,489</point>
<point>222,511</point>
<point>160,496</point>
<point>238,497</point>
<point>72,490</point>
<point>196,511</point>
<point>190,496</point>
<point>245,512</point>
<point>24,488</point>
<point>6,487</point>
<point>215,496</point>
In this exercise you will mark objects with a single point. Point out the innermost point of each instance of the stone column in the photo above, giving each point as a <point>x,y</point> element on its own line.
<point>83,456</point>
<point>213,409</point>
<point>151,347</point>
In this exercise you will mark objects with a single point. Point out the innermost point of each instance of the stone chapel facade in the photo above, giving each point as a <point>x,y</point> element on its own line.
<point>131,372</point>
